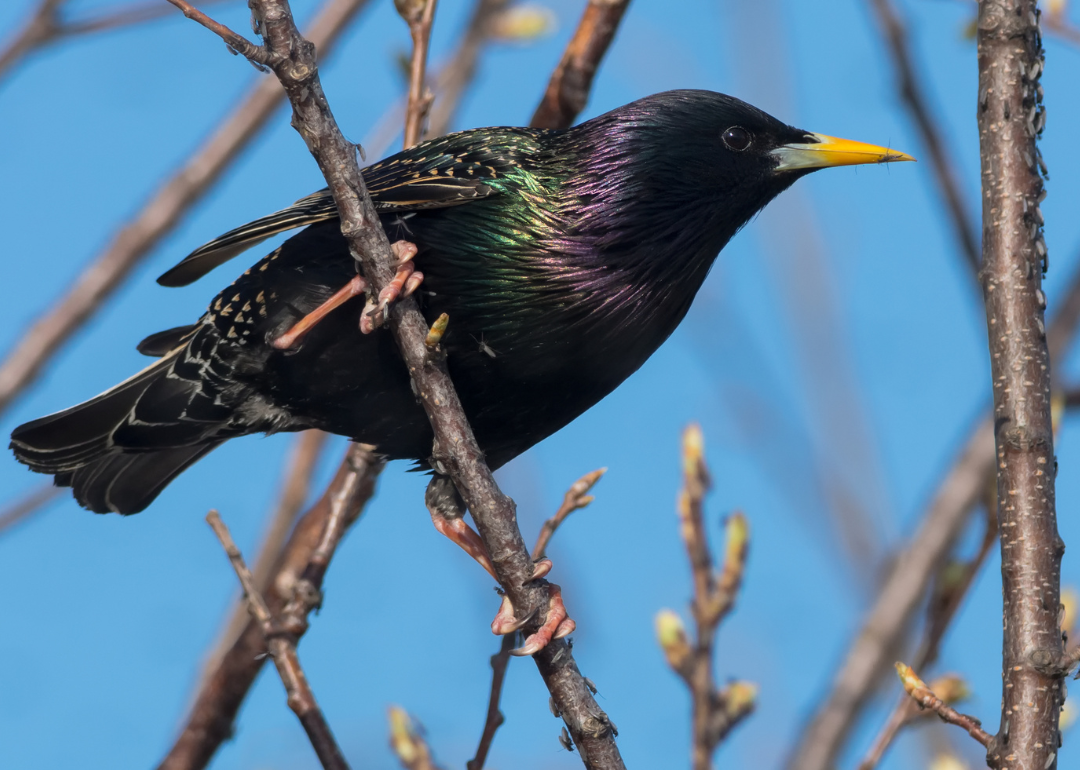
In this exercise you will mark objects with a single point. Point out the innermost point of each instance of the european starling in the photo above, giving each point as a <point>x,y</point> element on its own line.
<point>563,258</point>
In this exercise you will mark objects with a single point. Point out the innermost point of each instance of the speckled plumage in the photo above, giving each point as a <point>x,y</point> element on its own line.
<point>563,258</point>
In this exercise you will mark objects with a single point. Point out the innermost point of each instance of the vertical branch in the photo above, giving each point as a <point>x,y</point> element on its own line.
<point>1010,118</point>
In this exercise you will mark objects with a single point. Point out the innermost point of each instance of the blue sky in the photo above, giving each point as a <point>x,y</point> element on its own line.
<point>835,359</point>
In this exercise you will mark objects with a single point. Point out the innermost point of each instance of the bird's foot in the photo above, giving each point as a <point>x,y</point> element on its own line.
<point>296,332</point>
<point>405,282</point>
<point>447,511</point>
<point>557,624</point>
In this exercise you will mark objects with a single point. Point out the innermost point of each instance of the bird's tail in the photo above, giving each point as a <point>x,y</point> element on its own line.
<point>119,450</point>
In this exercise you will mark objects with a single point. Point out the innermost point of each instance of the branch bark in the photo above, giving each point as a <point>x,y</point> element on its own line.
<point>455,450</point>
<point>1010,117</point>
<point>136,239</point>
<point>214,711</point>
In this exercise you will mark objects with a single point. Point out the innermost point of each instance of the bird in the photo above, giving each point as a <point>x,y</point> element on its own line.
<point>563,258</point>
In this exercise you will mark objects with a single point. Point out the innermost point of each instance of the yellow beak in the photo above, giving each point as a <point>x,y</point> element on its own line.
<point>827,151</point>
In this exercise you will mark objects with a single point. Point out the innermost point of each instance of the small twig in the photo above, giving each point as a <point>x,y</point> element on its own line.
<point>135,240</point>
<point>282,647</point>
<point>575,499</point>
<point>568,90</point>
<point>408,743</point>
<point>236,42</point>
<point>301,465</point>
<point>136,13</point>
<point>223,691</point>
<point>715,711</point>
<point>29,504</point>
<point>500,661</point>
<point>42,26</point>
<point>419,14</point>
<point>926,698</point>
<point>929,127</point>
<point>941,613</point>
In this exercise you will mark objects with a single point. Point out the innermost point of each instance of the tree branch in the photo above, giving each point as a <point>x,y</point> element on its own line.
<point>925,697</point>
<point>568,90</point>
<point>135,240</point>
<point>27,505</point>
<point>1010,118</point>
<point>214,711</point>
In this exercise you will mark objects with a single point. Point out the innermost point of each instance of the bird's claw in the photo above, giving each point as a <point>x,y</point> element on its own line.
<point>406,281</point>
<point>556,625</point>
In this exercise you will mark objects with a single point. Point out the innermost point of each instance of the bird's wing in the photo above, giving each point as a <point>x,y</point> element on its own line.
<point>448,171</point>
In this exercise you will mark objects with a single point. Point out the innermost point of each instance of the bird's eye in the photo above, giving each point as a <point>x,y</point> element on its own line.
<point>736,138</point>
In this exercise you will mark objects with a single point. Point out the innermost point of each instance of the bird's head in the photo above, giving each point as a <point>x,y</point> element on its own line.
<point>708,160</point>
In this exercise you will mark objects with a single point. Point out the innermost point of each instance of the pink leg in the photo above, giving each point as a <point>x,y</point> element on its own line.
<point>296,333</point>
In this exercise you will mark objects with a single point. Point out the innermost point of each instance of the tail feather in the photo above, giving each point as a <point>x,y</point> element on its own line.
<point>120,449</point>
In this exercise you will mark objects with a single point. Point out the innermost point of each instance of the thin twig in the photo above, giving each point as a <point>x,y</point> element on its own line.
<point>28,505</point>
<point>300,466</point>
<point>883,626</point>
<point>164,211</point>
<point>39,29</point>
<point>214,711</point>
<point>925,697</point>
<point>237,43</point>
<point>500,661</point>
<point>576,498</point>
<point>929,126</point>
<point>715,711</point>
<point>419,14</point>
<point>282,648</point>
<point>136,13</point>
<point>1010,119</point>
<point>568,90</point>
<point>941,612</point>
<point>455,449</point>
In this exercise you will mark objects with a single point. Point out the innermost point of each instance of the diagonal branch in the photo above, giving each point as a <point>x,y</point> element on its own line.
<point>455,449</point>
<point>164,211</point>
<point>419,14</point>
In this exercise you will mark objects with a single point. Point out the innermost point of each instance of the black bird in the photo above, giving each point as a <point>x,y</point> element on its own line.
<point>563,258</point>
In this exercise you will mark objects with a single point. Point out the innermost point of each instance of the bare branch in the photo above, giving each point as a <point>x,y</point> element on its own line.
<point>158,217</point>
<point>576,498</point>
<point>928,124</point>
<point>715,711</point>
<point>568,90</point>
<point>419,14</point>
<point>42,26</point>
<point>237,43</point>
<point>1011,117</point>
<point>215,708</point>
<point>500,661</point>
